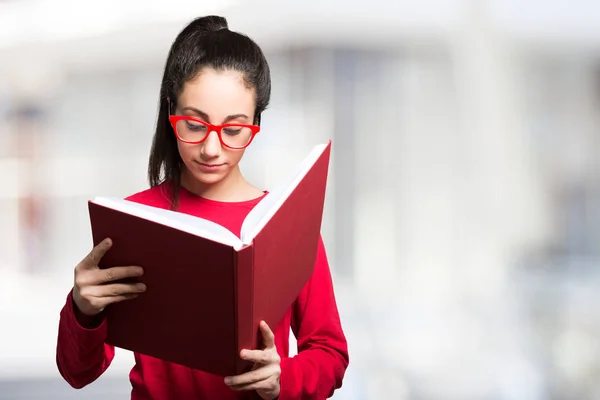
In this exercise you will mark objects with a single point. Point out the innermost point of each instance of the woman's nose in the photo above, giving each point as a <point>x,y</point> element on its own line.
<point>212,145</point>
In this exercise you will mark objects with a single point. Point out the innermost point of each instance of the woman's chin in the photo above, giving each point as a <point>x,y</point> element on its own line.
<point>208,178</point>
<point>194,175</point>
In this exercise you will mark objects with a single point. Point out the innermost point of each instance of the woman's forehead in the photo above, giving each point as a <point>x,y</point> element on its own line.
<point>210,85</point>
<point>218,94</point>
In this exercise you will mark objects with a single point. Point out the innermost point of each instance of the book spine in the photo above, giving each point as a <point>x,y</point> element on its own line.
<point>245,327</point>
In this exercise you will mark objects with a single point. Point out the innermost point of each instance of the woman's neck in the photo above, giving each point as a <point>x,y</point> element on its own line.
<point>232,188</point>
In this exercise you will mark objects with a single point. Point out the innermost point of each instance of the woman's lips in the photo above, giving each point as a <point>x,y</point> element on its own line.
<point>210,167</point>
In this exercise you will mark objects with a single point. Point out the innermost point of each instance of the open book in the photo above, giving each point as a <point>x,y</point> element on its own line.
<point>207,289</point>
<point>256,219</point>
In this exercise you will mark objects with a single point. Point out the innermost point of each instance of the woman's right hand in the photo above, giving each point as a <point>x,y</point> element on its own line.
<point>94,288</point>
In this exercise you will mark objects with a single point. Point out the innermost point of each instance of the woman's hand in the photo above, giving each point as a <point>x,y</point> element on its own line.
<point>264,377</point>
<point>94,288</point>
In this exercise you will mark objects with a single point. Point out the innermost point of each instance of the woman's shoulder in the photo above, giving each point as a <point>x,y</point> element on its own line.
<point>156,196</point>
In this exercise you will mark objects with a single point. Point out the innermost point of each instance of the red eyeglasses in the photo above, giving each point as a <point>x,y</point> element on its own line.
<point>193,130</point>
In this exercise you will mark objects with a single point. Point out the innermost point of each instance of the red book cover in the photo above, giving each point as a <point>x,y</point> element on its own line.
<point>207,290</point>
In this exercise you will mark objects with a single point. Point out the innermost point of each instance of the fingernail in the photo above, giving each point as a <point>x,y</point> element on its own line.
<point>107,242</point>
<point>228,381</point>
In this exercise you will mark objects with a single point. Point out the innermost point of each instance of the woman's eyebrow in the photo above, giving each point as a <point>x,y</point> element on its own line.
<point>204,116</point>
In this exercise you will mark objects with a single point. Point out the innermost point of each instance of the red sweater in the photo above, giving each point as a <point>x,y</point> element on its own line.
<point>314,373</point>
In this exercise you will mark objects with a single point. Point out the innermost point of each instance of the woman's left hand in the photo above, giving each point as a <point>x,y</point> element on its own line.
<point>264,377</point>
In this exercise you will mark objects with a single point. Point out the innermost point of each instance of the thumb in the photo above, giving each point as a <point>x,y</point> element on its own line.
<point>93,258</point>
<point>268,336</point>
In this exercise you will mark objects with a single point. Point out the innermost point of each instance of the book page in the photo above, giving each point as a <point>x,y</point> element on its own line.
<point>183,222</point>
<point>264,210</point>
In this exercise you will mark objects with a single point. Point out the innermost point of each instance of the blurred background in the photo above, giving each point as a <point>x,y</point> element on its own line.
<point>463,210</point>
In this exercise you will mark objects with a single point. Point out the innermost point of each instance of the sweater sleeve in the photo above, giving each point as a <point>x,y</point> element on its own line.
<point>319,367</point>
<point>81,354</point>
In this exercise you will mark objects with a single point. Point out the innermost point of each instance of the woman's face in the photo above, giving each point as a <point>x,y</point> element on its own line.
<point>216,97</point>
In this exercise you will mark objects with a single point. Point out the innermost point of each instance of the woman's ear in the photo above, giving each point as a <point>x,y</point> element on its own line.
<point>170,105</point>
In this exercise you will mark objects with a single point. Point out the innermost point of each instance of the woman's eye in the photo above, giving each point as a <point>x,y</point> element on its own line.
<point>232,131</point>
<point>195,127</point>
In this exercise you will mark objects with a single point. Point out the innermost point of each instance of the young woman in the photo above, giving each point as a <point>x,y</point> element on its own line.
<point>215,86</point>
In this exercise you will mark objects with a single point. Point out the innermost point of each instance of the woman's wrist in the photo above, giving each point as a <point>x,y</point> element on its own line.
<point>87,321</point>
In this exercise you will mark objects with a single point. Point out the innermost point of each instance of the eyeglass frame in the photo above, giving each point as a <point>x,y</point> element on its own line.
<point>174,119</point>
